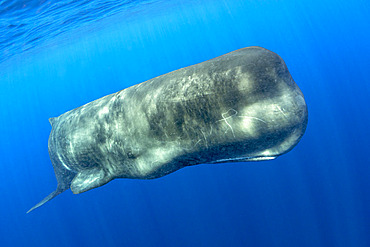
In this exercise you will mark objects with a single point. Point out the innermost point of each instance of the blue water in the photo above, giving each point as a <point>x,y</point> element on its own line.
<point>58,55</point>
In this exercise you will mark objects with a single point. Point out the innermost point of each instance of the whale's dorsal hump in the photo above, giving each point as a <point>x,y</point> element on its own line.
<point>51,121</point>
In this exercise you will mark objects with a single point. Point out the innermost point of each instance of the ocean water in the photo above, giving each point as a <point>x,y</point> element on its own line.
<point>58,55</point>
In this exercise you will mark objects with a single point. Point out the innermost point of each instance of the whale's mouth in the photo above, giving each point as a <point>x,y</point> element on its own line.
<point>261,158</point>
<point>244,159</point>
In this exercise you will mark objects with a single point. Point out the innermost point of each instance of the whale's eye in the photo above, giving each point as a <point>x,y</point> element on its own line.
<point>130,155</point>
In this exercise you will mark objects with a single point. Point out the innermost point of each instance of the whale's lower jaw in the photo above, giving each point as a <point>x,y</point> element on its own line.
<point>244,159</point>
<point>260,158</point>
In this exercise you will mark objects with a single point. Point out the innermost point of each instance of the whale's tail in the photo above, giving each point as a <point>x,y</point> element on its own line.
<point>64,181</point>
<point>64,177</point>
<point>46,199</point>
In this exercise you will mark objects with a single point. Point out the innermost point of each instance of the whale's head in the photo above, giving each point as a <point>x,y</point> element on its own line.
<point>268,115</point>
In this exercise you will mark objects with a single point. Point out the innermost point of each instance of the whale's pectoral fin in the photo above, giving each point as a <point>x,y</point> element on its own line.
<point>88,179</point>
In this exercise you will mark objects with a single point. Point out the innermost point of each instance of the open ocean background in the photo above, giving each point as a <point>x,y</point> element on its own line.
<point>58,55</point>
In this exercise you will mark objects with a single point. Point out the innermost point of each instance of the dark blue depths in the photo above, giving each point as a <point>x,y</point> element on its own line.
<point>316,195</point>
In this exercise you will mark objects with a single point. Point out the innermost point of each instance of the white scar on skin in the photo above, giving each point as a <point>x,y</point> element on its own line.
<point>234,114</point>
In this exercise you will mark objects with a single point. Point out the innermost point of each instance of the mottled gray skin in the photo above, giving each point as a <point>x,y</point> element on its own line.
<point>242,106</point>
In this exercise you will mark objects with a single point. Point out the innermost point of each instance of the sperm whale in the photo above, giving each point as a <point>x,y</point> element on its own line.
<point>242,106</point>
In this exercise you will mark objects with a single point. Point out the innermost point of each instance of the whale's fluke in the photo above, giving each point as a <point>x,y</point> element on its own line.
<point>46,199</point>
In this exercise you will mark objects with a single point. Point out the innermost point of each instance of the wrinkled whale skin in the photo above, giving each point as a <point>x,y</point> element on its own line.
<point>242,106</point>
